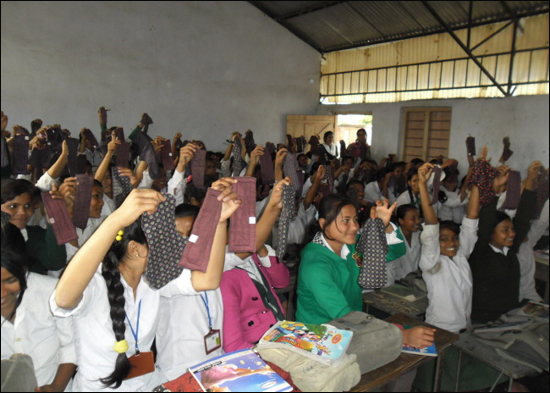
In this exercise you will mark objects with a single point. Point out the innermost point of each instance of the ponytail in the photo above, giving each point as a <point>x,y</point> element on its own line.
<point>115,291</point>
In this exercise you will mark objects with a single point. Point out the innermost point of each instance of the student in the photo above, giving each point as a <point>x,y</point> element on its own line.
<point>330,149</point>
<point>360,149</point>
<point>494,261</point>
<point>250,303</point>
<point>100,295</point>
<point>412,195</point>
<point>446,248</point>
<point>27,325</point>
<point>328,285</point>
<point>453,205</point>
<point>20,199</point>
<point>404,250</point>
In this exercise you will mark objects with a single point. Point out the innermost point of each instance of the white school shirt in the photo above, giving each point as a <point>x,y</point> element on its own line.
<point>108,205</point>
<point>453,209</point>
<point>408,263</point>
<point>176,186</point>
<point>49,341</point>
<point>94,336</point>
<point>449,280</point>
<point>84,235</point>
<point>527,263</point>
<point>373,193</point>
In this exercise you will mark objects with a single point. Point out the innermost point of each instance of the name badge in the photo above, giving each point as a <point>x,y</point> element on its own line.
<point>143,363</point>
<point>212,341</point>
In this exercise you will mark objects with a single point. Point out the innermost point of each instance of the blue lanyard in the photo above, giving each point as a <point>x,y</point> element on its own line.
<point>136,332</point>
<point>207,310</point>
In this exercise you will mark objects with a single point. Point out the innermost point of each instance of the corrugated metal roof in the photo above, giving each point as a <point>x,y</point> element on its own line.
<point>336,25</point>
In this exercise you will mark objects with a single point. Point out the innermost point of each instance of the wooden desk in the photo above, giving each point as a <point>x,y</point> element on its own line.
<point>488,355</point>
<point>393,305</point>
<point>541,272</point>
<point>406,362</point>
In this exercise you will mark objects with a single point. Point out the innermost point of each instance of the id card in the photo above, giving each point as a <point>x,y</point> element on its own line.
<point>212,341</point>
<point>142,364</point>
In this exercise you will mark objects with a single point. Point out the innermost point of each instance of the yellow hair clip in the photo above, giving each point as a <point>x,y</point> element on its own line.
<point>121,346</point>
<point>119,237</point>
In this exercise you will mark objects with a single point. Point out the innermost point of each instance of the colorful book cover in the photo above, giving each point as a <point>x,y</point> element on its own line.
<point>323,343</point>
<point>428,351</point>
<point>239,371</point>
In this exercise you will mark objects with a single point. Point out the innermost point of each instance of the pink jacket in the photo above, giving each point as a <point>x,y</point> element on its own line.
<point>246,318</point>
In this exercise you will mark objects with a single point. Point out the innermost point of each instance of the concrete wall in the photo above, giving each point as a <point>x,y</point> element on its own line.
<point>202,68</point>
<point>523,119</point>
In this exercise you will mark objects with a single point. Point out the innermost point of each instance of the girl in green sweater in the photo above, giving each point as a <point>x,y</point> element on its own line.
<point>328,285</point>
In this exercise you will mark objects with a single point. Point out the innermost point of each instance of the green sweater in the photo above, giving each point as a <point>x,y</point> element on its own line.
<point>43,248</point>
<point>327,285</point>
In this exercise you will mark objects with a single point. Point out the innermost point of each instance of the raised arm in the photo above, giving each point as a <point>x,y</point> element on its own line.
<point>81,269</point>
<point>315,182</point>
<point>279,160</point>
<point>254,160</point>
<point>210,279</point>
<point>424,173</point>
<point>57,168</point>
<point>104,166</point>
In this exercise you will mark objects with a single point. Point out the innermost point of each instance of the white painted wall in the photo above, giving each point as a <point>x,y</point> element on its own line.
<point>203,68</point>
<point>524,119</point>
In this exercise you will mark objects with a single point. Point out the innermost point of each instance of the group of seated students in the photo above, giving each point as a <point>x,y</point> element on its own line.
<point>83,310</point>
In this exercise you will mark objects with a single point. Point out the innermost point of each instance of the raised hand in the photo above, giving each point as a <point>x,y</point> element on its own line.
<point>424,172</point>
<point>256,154</point>
<point>138,202</point>
<point>280,157</point>
<point>384,211</point>
<point>502,178</point>
<point>276,199</point>
<point>227,197</point>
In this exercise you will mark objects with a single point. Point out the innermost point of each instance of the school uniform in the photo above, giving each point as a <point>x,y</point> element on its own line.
<point>83,235</point>
<point>94,336</point>
<point>108,205</point>
<point>43,248</point>
<point>328,285</point>
<point>453,209</point>
<point>408,263</point>
<point>373,192</point>
<point>449,280</point>
<point>246,315</point>
<point>49,341</point>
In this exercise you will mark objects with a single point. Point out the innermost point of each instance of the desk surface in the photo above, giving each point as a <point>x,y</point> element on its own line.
<point>489,355</point>
<point>405,361</point>
<point>392,304</point>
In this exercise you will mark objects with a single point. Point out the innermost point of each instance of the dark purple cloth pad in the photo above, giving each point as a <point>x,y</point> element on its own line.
<point>197,165</point>
<point>122,187</point>
<point>83,199</point>
<point>142,140</point>
<point>81,164</point>
<point>373,246</point>
<point>471,145</point>
<point>513,191</point>
<point>73,144</point>
<point>59,218</point>
<point>197,252</point>
<point>288,213</point>
<point>166,245</point>
<point>242,234</point>
<point>542,193</point>
<point>289,168</point>
<point>123,155</point>
<point>436,185</point>
<point>166,156</point>
<point>482,176</point>
<point>238,163</point>
<point>20,154</point>
<point>91,138</point>
<point>40,158</point>
<point>266,163</point>
<point>148,155</point>
<point>54,139</point>
<point>5,153</point>
<point>119,134</point>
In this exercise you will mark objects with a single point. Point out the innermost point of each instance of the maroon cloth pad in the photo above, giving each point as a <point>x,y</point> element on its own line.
<point>471,145</point>
<point>242,234</point>
<point>197,165</point>
<point>436,185</point>
<point>91,138</point>
<point>123,155</point>
<point>59,218</point>
<point>266,163</point>
<point>20,154</point>
<point>513,191</point>
<point>83,199</point>
<point>197,252</point>
<point>73,144</point>
<point>483,175</point>
<point>166,156</point>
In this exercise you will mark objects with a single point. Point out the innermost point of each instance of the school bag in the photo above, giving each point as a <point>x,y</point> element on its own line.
<point>518,338</point>
<point>374,342</point>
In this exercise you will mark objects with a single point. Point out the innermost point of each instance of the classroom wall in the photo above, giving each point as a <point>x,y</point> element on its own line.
<point>524,119</point>
<point>202,68</point>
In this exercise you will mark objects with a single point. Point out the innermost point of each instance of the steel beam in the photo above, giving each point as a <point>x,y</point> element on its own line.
<point>464,48</point>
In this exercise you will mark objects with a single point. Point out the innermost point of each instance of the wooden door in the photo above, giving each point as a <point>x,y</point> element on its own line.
<point>426,134</point>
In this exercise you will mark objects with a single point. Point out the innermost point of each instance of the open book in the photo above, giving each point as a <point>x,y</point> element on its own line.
<point>239,371</point>
<point>323,343</point>
<point>405,293</point>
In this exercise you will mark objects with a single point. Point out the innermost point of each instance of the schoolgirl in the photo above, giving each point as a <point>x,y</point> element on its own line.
<point>28,327</point>
<point>115,310</point>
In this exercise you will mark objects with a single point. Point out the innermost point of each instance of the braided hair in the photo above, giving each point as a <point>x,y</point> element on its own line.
<point>115,289</point>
